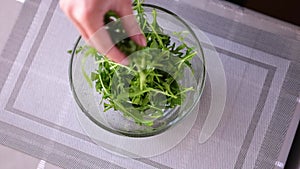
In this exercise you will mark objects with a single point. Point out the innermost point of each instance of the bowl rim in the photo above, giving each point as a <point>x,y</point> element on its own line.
<point>156,132</point>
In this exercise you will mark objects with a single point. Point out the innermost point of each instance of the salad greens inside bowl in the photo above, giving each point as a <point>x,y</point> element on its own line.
<point>161,85</point>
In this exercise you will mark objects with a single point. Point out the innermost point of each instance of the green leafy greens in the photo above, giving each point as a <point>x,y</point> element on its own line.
<point>149,86</point>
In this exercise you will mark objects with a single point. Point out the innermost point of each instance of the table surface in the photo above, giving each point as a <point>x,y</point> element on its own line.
<point>261,59</point>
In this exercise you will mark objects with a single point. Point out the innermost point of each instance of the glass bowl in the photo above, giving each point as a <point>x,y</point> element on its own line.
<point>116,121</point>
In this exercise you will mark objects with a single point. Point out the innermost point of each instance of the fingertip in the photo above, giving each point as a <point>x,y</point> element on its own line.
<point>125,61</point>
<point>117,56</point>
<point>139,39</point>
<point>143,41</point>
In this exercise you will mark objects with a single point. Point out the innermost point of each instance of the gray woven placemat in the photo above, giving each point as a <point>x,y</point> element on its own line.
<point>262,71</point>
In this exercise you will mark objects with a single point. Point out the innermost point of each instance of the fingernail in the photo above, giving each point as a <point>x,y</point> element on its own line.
<point>125,62</point>
<point>142,40</point>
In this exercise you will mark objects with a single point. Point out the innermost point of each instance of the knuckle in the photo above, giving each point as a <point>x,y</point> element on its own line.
<point>85,14</point>
<point>77,10</point>
<point>86,11</point>
<point>65,6</point>
<point>61,3</point>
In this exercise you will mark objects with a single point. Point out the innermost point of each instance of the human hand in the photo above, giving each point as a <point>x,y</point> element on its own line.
<point>88,17</point>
